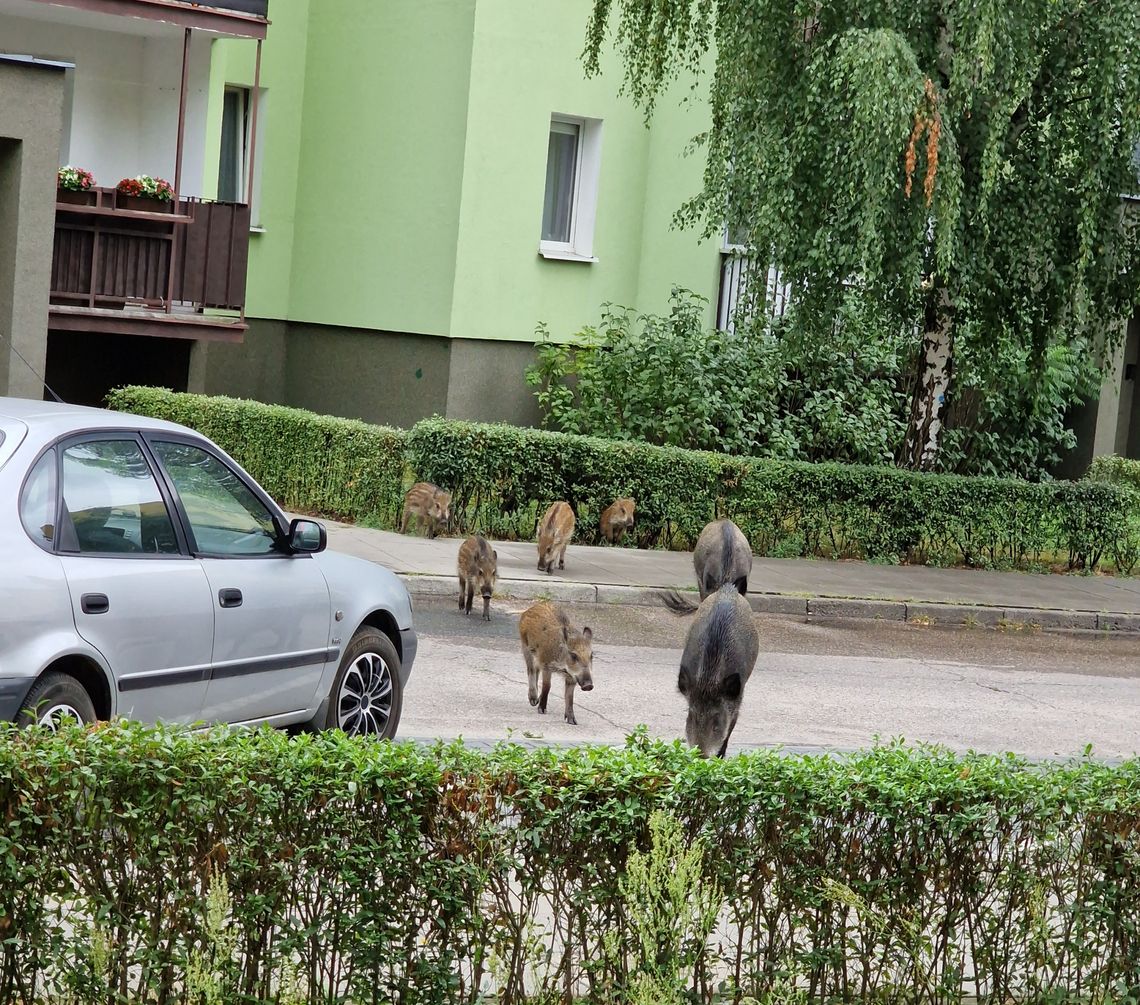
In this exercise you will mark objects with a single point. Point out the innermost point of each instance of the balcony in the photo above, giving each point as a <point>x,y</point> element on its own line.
<point>178,273</point>
<point>238,18</point>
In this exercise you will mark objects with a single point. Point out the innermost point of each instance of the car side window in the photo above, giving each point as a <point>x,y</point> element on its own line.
<point>37,504</point>
<point>113,502</point>
<point>225,517</point>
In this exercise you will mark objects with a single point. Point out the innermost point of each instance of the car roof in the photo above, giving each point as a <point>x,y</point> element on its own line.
<point>54,418</point>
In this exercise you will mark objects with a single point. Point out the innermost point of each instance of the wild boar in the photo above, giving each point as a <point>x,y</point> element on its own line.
<point>550,644</point>
<point>555,530</point>
<point>722,557</point>
<point>617,519</point>
<point>720,653</point>
<point>478,570</point>
<point>428,504</point>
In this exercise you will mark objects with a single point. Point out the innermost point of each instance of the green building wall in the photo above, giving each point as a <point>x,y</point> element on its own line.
<point>402,170</point>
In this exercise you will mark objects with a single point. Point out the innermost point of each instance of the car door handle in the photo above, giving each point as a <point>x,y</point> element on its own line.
<point>94,603</point>
<point>229,598</point>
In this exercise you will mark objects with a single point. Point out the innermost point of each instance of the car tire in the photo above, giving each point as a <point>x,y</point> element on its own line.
<point>53,697</point>
<point>367,697</point>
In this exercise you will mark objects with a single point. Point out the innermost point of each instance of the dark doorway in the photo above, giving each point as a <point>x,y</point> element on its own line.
<point>83,366</point>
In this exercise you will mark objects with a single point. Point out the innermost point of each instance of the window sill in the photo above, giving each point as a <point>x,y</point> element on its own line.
<point>561,255</point>
<point>257,230</point>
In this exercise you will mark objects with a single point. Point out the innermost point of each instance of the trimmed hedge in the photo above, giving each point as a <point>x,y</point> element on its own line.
<point>1119,470</point>
<point>264,868</point>
<point>503,477</point>
<point>340,468</point>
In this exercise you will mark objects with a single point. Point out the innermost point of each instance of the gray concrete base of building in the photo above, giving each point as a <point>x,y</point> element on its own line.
<point>391,378</point>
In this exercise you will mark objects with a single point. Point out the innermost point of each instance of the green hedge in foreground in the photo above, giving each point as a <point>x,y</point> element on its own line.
<point>263,868</point>
<point>503,477</point>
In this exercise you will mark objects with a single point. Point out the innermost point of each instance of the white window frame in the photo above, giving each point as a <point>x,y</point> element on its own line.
<point>726,246</point>
<point>584,204</point>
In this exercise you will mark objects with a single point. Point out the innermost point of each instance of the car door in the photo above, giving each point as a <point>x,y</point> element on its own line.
<point>272,612</point>
<point>137,594</point>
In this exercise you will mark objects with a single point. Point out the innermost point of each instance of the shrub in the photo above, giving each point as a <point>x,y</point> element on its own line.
<point>339,468</point>
<point>134,859</point>
<point>771,389</point>
<point>1117,470</point>
<point>806,386</point>
<point>1124,542</point>
<point>503,477</point>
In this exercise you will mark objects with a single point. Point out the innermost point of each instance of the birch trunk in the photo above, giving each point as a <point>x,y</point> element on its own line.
<point>931,388</point>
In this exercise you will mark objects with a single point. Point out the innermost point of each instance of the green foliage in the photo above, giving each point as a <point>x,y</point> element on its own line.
<point>502,478</point>
<point>964,161</point>
<point>308,462</point>
<point>1125,541</point>
<point>672,909</point>
<point>801,388</point>
<point>1116,470</point>
<point>784,390</point>
<point>399,873</point>
<point>1008,414</point>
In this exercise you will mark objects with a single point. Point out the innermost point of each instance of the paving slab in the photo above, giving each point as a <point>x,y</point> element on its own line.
<point>806,587</point>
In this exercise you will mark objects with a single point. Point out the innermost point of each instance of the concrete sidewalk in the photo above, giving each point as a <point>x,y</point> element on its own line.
<point>784,586</point>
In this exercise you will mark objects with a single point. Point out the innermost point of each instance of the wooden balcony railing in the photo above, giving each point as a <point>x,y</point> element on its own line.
<point>119,253</point>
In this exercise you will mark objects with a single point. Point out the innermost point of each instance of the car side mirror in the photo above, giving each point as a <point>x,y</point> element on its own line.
<point>307,537</point>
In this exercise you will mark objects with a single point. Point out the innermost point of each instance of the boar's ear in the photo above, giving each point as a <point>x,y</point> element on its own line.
<point>731,686</point>
<point>587,634</point>
<point>683,681</point>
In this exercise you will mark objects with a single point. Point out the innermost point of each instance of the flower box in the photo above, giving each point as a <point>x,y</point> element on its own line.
<point>143,204</point>
<point>145,194</point>
<point>71,197</point>
<point>75,186</point>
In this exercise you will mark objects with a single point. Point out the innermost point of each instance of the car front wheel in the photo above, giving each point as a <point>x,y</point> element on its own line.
<point>54,699</point>
<point>366,697</point>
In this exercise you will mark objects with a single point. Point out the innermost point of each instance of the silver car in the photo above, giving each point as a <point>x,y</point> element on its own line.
<point>144,574</point>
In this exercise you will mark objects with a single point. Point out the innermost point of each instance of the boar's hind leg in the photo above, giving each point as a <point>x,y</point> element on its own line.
<point>462,592</point>
<point>531,676</point>
<point>570,701</point>
<point>724,746</point>
<point>545,691</point>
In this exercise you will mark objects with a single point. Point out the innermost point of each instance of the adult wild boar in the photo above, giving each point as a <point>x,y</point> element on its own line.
<point>720,652</point>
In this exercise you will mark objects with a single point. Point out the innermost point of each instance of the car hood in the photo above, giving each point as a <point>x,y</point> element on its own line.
<point>359,587</point>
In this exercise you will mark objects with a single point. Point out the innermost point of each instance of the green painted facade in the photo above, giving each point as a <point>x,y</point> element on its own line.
<point>403,166</point>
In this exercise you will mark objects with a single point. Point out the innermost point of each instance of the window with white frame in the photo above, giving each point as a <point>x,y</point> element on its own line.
<point>745,285</point>
<point>573,159</point>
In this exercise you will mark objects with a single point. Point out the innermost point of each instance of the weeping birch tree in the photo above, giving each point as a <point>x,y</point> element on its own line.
<point>961,162</point>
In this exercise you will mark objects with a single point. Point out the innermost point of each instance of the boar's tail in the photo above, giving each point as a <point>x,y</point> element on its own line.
<point>676,603</point>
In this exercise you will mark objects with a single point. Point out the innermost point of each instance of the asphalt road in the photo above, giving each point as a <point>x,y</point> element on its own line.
<point>818,685</point>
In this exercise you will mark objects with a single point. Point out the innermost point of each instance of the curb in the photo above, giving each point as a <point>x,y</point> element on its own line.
<point>821,608</point>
